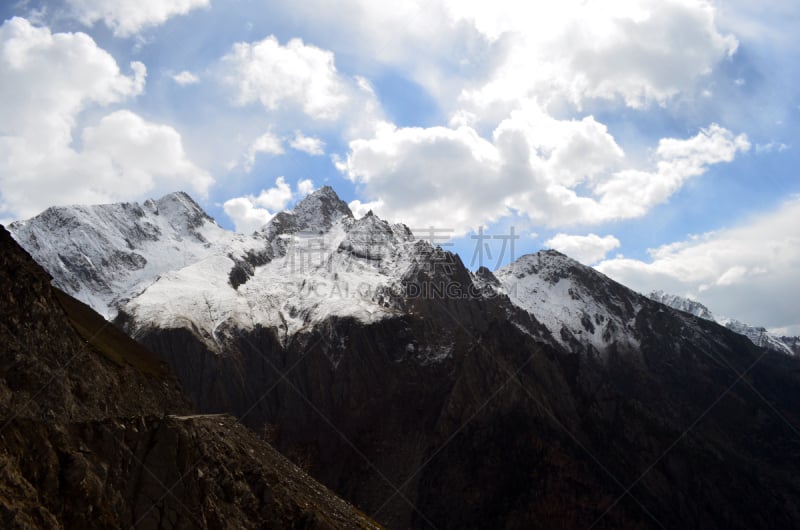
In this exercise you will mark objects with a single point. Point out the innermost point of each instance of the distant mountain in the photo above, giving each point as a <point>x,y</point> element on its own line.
<point>758,335</point>
<point>96,433</point>
<point>541,395</point>
<point>680,303</point>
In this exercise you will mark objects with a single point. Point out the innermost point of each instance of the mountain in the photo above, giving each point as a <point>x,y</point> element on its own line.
<point>584,311</point>
<point>96,433</point>
<point>541,395</point>
<point>105,254</point>
<point>757,335</point>
<point>680,303</point>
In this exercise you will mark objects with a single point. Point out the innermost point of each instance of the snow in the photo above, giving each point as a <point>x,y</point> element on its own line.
<point>757,335</point>
<point>352,269</point>
<point>545,285</point>
<point>686,305</point>
<point>106,254</point>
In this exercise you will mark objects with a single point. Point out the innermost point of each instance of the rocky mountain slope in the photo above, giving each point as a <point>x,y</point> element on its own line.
<point>96,433</point>
<point>757,335</point>
<point>546,395</point>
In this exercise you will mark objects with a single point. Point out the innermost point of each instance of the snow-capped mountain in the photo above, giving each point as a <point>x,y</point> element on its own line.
<point>580,307</point>
<point>680,303</point>
<point>311,264</point>
<point>106,254</point>
<point>757,335</point>
<point>160,261</point>
<point>436,397</point>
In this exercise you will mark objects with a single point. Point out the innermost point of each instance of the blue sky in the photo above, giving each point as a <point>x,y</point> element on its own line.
<point>654,140</point>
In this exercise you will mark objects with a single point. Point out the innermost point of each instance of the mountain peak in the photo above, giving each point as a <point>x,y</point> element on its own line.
<point>686,305</point>
<point>757,334</point>
<point>581,307</point>
<point>551,265</point>
<point>320,209</point>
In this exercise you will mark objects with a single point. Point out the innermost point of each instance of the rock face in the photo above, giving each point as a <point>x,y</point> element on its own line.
<point>543,395</point>
<point>152,472</point>
<point>96,433</point>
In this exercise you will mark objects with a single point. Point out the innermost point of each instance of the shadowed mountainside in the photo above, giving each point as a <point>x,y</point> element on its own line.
<point>96,433</point>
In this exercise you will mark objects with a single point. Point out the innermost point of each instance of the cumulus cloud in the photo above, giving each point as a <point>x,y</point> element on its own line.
<point>299,78</point>
<point>251,212</point>
<point>307,144</point>
<point>185,78</point>
<point>556,172</point>
<point>266,143</point>
<point>642,51</point>
<point>137,153</point>
<point>423,176</point>
<point>304,187</point>
<point>587,249</point>
<point>295,74</point>
<point>748,272</point>
<point>631,193</point>
<point>246,217</point>
<point>48,80</point>
<point>127,18</point>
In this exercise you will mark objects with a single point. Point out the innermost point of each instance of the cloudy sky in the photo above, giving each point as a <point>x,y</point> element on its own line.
<point>654,139</point>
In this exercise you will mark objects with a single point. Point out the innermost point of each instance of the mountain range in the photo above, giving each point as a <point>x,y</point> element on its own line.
<point>758,335</point>
<point>542,394</point>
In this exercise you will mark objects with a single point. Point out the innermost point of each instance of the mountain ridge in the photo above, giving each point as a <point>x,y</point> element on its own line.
<point>542,394</point>
<point>757,335</point>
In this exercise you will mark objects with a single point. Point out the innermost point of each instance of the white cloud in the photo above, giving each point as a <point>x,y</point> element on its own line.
<point>251,212</point>
<point>586,249</point>
<point>771,147</point>
<point>448,177</point>
<point>304,187</point>
<point>360,209</point>
<point>641,51</point>
<point>266,143</point>
<point>557,172</point>
<point>275,198</point>
<point>299,80</point>
<point>307,144</point>
<point>631,193</point>
<point>138,153</point>
<point>185,78</point>
<point>246,217</point>
<point>748,272</point>
<point>295,74</point>
<point>48,80</point>
<point>500,53</point>
<point>126,18</point>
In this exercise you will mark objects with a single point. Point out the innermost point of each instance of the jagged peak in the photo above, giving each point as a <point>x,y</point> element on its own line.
<point>682,303</point>
<point>179,197</point>
<point>316,212</point>
<point>325,198</point>
<point>180,204</point>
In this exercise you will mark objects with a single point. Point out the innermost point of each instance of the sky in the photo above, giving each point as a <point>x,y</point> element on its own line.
<point>655,140</point>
